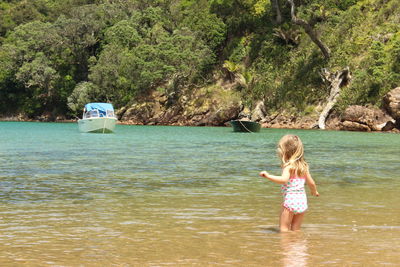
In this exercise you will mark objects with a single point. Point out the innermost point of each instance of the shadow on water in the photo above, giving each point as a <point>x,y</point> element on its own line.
<point>270,230</point>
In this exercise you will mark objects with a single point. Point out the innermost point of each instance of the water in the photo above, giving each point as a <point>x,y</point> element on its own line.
<point>186,196</point>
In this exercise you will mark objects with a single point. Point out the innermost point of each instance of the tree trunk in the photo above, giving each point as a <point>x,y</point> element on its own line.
<point>277,7</point>
<point>337,81</point>
<point>309,30</point>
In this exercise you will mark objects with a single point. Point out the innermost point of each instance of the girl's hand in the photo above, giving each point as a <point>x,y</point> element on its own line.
<point>315,193</point>
<point>264,174</point>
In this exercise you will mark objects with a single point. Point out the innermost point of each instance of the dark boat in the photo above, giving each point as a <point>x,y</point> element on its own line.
<point>245,126</point>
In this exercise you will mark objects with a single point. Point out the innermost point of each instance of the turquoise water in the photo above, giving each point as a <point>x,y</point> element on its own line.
<point>158,195</point>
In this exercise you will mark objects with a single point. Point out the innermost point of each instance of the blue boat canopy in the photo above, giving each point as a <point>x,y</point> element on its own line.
<point>101,107</point>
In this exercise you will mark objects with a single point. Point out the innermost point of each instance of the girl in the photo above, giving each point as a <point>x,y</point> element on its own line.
<point>295,174</point>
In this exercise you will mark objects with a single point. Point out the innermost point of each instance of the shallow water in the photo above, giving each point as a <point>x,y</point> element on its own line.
<point>186,196</point>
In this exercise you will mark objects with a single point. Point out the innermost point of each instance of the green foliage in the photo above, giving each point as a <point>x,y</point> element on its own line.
<point>39,76</point>
<point>83,93</point>
<point>206,25</point>
<point>158,58</point>
<point>45,60</point>
<point>231,66</point>
<point>56,54</point>
<point>370,41</point>
<point>123,33</point>
<point>241,16</point>
<point>240,50</point>
<point>26,53</point>
<point>393,49</point>
<point>15,13</point>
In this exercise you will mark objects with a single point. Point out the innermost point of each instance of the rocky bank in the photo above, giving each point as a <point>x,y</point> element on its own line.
<point>199,107</point>
<point>211,107</point>
<point>205,107</point>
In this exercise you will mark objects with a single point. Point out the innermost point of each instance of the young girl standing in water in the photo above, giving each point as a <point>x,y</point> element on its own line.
<point>295,174</point>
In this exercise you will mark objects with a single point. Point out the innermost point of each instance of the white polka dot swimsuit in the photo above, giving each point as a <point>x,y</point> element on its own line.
<point>294,195</point>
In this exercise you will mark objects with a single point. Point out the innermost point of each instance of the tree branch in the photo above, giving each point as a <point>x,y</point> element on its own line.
<point>276,6</point>
<point>336,81</point>
<point>309,30</point>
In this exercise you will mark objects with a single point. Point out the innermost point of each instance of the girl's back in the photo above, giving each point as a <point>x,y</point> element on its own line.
<point>295,184</point>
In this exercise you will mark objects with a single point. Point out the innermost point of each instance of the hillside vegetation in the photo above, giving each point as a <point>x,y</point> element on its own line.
<point>56,55</point>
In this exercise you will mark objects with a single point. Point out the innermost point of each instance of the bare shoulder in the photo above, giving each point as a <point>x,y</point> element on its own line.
<point>288,169</point>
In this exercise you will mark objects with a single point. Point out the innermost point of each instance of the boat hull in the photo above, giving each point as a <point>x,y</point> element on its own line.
<point>245,126</point>
<point>97,125</point>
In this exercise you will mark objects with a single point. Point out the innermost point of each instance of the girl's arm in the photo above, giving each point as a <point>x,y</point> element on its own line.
<point>311,184</point>
<point>283,179</point>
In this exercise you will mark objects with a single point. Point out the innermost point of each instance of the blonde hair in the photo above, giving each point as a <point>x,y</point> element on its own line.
<point>291,153</point>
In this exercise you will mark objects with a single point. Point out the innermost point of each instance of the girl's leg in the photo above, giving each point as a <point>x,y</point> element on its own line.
<point>285,220</point>
<point>297,221</point>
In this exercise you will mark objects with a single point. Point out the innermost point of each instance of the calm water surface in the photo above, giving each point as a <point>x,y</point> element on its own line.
<point>185,196</point>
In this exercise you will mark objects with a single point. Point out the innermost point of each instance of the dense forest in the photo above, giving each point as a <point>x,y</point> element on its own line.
<point>56,55</point>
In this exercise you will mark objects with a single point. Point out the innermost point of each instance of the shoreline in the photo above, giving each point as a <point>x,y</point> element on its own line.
<point>331,126</point>
<point>219,111</point>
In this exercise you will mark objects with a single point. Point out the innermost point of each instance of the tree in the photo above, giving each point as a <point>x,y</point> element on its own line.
<point>278,14</point>
<point>148,52</point>
<point>335,82</point>
<point>28,54</point>
<point>155,59</point>
<point>83,93</point>
<point>308,28</point>
<point>81,35</point>
<point>40,77</point>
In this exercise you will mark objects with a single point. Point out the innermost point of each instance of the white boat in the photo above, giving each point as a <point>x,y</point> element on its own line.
<point>97,118</point>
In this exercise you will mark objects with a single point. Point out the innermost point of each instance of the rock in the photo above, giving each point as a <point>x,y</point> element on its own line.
<point>61,118</point>
<point>388,126</point>
<point>333,121</point>
<point>259,112</point>
<point>371,117</point>
<point>354,126</point>
<point>139,113</point>
<point>221,116</point>
<point>46,117</point>
<point>287,121</point>
<point>391,103</point>
<point>170,116</point>
<point>120,112</point>
<point>245,113</point>
<point>195,108</point>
